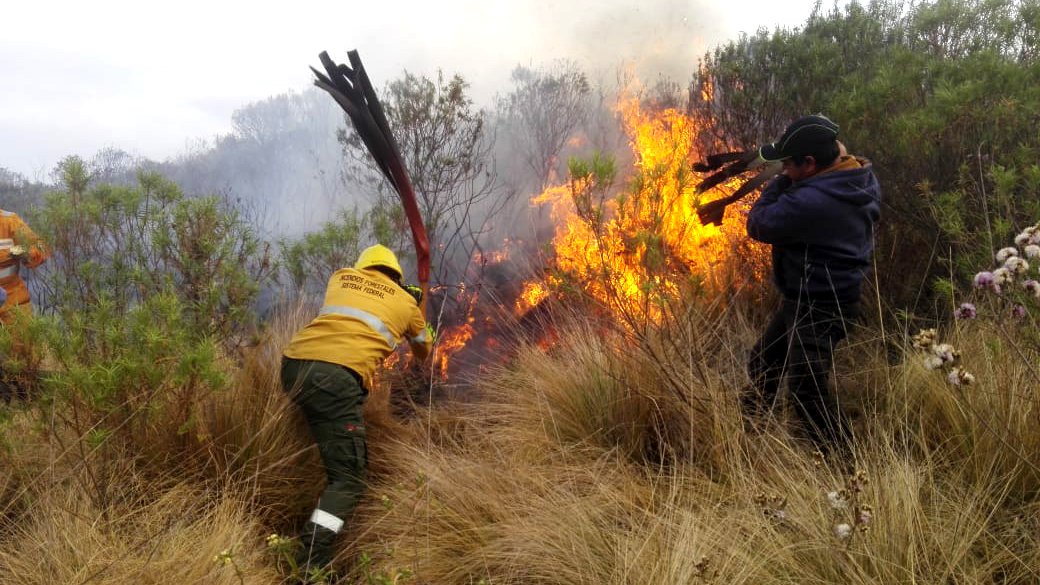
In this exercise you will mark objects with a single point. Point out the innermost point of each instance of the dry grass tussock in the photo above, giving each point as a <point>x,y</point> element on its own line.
<point>145,534</point>
<point>983,430</point>
<point>606,459</point>
<point>156,515</point>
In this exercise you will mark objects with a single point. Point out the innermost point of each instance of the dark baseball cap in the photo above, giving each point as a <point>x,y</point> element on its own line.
<point>803,136</point>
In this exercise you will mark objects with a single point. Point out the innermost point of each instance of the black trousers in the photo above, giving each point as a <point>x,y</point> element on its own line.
<point>332,400</point>
<point>799,344</point>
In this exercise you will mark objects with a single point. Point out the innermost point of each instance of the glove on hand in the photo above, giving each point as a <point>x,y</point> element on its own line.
<point>415,291</point>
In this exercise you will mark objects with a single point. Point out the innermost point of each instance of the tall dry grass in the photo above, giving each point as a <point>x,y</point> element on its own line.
<point>560,475</point>
<point>609,458</point>
<point>78,511</point>
<point>147,533</point>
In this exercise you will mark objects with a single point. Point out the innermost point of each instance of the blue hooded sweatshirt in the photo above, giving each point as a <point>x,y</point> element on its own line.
<point>821,230</point>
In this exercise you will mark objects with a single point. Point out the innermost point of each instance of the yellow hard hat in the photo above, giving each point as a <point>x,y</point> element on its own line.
<point>379,255</point>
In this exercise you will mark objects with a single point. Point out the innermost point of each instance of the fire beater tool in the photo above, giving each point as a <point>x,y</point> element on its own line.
<point>726,166</point>
<point>352,90</point>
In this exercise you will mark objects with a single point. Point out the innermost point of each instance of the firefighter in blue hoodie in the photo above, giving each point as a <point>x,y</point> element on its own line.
<point>819,217</point>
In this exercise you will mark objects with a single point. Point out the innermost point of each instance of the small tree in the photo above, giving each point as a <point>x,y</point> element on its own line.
<point>446,144</point>
<point>544,110</point>
<point>312,259</point>
<point>144,294</point>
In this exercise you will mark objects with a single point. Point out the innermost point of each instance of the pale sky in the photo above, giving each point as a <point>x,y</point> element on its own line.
<point>150,78</point>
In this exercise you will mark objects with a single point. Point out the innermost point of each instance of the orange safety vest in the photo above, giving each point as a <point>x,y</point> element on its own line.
<point>14,232</point>
<point>364,316</point>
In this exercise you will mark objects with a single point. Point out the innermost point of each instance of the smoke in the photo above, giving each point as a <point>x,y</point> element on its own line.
<point>282,162</point>
<point>661,39</point>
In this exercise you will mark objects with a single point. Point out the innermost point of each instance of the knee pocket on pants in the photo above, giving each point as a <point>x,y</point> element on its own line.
<point>345,457</point>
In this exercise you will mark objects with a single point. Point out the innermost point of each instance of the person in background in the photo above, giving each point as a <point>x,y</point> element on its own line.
<point>19,248</point>
<point>328,369</point>
<point>818,215</point>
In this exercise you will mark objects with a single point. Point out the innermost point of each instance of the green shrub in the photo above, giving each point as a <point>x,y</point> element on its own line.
<point>145,293</point>
<point>312,259</point>
<point>114,247</point>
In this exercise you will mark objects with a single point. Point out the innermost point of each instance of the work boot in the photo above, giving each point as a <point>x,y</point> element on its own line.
<point>317,550</point>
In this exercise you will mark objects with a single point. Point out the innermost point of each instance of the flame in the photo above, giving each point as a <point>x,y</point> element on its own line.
<point>534,292</point>
<point>645,246</point>
<point>632,249</point>
<point>450,343</point>
<point>707,90</point>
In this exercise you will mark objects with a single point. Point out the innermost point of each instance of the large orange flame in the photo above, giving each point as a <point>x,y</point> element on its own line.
<point>637,248</point>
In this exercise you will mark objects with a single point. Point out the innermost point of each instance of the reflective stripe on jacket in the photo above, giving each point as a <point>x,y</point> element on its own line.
<point>14,231</point>
<point>364,316</point>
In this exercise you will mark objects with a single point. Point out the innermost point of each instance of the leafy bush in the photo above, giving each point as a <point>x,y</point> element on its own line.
<point>312,259</point>
<point>115,247</point>
<point>144,293</point>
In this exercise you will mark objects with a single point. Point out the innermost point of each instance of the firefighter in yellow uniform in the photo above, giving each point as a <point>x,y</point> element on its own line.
<point>328,368</point>
<point>19,246</point>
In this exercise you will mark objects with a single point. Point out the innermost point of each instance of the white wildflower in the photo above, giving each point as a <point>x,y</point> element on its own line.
<point>1016,265</point>
<point>1002,276</point>
<point>958,376</point>
<point>837,500</point>
<point>843,531</point>
<point>1032,251</point>
<point>946,353</point>
<point>933,362</point>
<point>1030,235</point>
<point>1004,253</point>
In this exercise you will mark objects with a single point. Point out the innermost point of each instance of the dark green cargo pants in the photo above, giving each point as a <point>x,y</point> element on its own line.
<point>331,398</point>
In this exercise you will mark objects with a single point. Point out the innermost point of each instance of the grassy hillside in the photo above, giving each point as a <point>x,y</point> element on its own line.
<point>600,460</point>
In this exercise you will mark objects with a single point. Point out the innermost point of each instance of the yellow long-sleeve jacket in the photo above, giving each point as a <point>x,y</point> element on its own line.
<point>364,316</point>
<point>14,232</point>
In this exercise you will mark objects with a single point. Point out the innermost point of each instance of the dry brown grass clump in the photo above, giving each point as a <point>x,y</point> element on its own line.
<point>146,533</point>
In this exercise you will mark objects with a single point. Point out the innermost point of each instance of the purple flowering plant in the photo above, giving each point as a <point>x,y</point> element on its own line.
<point>1010,287</point>
<point>1006,294</point>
